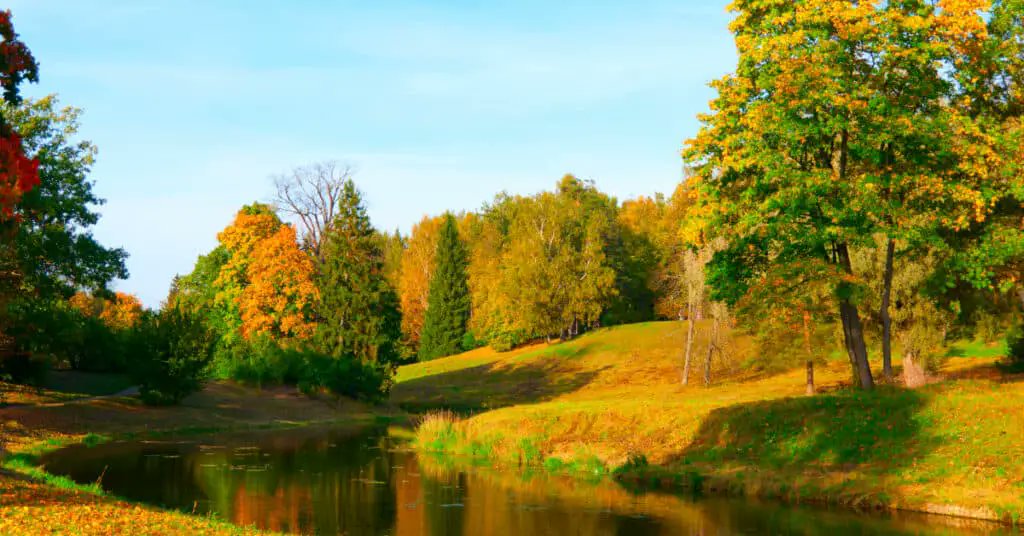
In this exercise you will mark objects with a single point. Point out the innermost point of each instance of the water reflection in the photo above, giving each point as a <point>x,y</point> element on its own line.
<point>365,482</point>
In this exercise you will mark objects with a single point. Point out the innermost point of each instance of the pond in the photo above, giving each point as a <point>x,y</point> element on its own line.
<point>368,482</point>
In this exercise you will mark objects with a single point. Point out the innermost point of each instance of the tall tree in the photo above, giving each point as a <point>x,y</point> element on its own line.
<point>835,128</point>
<point>444,326</point>
<point>555,269</point>
<point>358,310</point>
<point>56,251</point>
<point>18,172</point>
<point>417,269</point>
<point>252,225</point>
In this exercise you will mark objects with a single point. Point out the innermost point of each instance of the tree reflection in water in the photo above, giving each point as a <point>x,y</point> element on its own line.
<point>367,482</point>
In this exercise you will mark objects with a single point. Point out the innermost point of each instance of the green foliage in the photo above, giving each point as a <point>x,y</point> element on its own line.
<point>444,327</point>
<point>171,352</point>
<point>53,329</point>
<point>358,310</point>
<point>259,362</point>
<point>262,362</point>
<point>1015,347</point>
<point>346,376</point>
<point>55,250</point>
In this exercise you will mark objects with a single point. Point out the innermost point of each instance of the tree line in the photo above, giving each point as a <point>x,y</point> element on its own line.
<point>856,185</point>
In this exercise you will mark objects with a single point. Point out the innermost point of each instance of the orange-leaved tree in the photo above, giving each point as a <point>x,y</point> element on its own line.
<point>414,283</point>
<point>267,281</point>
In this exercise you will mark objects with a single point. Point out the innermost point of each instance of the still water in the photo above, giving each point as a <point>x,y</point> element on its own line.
<point>367,482</point>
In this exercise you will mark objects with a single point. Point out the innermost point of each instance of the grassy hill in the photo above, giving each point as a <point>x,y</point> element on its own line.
<point>611,401</point>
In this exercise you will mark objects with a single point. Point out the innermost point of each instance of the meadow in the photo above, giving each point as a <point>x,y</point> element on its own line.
<point>611,403</point>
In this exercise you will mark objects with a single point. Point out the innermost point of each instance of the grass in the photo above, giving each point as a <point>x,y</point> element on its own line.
<point>612,402</point>
<point>33,501</point>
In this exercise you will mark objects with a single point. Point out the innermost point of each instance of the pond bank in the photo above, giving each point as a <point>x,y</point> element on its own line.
<point>35,502</point>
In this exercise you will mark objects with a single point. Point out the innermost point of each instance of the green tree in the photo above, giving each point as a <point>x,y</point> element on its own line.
<point>838,126</point>
<point>555,269</point>
<point>448,302</point>
<point>56,252</point>
<point>358,311</point>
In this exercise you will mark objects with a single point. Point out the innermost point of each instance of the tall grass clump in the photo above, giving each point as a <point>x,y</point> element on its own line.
<point>436,431</point>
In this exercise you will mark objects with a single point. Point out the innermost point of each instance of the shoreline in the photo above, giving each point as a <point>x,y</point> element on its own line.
<point>25,484</point>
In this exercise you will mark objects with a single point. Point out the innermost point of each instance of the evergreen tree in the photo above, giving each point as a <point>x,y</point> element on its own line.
<point>448,302</point>
<point>358,310</point>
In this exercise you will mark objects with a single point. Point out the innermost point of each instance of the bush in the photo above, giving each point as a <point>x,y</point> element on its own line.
<point>171,355</point>
<point>23,368</point>
<point>57,330</point>
<point>260,362</point>
<point>346,377</point>
<point>1015,347</point>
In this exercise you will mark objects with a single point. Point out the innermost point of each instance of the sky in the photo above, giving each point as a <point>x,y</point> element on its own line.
<point>438,105</point>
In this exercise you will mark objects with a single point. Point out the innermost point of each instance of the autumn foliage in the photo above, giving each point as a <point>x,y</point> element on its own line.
<point>18,173</point>
<point>267,278</point>
<point>122,312</point>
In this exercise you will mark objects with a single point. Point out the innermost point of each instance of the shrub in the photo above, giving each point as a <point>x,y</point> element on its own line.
<point>171,354</point>
<point>260,362</point>
<point>1015,347</point>
<point>64,333</point>
<point>23,368</point>
<point>345,376</point>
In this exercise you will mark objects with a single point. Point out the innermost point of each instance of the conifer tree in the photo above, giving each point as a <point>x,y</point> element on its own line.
<point>448,302</point>
<point>358,310</point>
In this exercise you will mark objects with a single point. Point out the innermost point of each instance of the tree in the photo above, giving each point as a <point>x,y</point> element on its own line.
<point>357,311</point>
<point>835,127</point>
<point>56,252</point>
<point>171,352</point>
<point>312,194</point>
<point>256,283</point>
<point>393,245</point>
<point>197,293</point>
<point>18,172</point>
<point>279,300</point>
<point>634,255</point>
<point>554,269</point>
<point>444,325</point>
<point>417,269</point>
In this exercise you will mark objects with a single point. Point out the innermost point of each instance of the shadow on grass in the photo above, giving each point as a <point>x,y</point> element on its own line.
<point>877,432</point>
<point>499,384</point>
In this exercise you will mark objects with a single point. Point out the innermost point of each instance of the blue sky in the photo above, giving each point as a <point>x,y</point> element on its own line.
<point>439,105</point>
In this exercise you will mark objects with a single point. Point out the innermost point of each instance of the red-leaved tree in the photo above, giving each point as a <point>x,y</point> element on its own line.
<point>18,173</point>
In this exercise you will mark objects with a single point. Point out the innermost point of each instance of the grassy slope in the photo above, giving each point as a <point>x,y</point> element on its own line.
<point>33,502</point>
<point>951,447</point>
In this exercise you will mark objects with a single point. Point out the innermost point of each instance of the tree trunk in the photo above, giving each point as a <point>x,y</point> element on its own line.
<point>1021,294</point>
<point>689,344</point>
<point>883,314</point>
<point>913,372</point>
<point>853,331</point>
<point>810,353</point>
<point>712,345</point>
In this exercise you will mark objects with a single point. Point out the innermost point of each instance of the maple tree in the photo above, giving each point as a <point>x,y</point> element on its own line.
<point>18,172</point>
<point>280,297</point>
